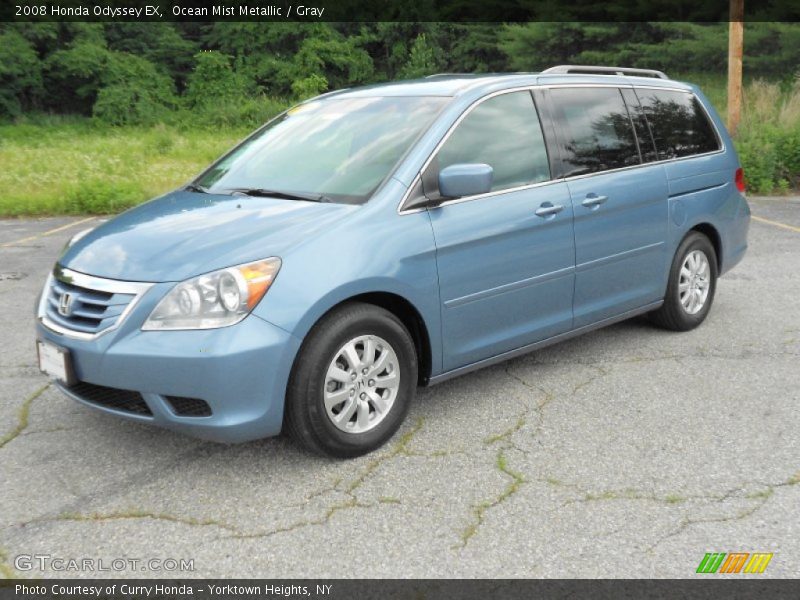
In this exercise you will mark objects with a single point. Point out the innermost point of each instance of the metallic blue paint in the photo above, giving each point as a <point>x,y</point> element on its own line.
<point>456,181</point>
<point>620,248</point>
<point>184,234</point>
<point>491,275</point>
<point>235,369</point>
<point>487,276</point>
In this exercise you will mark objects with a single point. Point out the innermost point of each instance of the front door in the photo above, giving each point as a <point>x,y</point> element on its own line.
<point>505,259</point>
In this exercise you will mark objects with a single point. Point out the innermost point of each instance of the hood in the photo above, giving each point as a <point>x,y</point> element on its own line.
<point>184,234</point>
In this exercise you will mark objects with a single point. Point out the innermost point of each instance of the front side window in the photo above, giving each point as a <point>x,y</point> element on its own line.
<point>340,148</point>
<point>504,133</point>
<point>595,130</point>
<point>679,124</point>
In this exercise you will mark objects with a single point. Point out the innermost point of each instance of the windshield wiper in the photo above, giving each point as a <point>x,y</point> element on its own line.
<point>280,194</point>
<point>192,187</point>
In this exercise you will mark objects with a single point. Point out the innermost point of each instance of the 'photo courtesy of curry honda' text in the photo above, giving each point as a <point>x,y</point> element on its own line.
<point>376,239</point>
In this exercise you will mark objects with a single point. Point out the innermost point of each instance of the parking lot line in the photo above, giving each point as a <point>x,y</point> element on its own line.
<point>776,223</point>
<point>46,233</point>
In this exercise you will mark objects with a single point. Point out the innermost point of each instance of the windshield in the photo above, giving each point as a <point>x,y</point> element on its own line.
<point>339,149</point>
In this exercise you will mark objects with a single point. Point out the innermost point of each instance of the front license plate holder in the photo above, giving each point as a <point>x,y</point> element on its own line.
<point>56,362</point>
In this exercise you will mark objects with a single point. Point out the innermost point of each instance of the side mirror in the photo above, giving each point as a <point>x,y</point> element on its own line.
<point>457,181</point>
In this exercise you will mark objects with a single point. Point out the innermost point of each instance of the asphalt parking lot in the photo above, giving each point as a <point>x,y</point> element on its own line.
<point>629,452</point>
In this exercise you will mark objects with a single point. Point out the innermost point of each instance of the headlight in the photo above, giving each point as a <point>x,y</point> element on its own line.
<point>216,299</point>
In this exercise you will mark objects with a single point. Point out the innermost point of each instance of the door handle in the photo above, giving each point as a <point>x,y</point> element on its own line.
<point>548,210</point>
<point>593,201</point>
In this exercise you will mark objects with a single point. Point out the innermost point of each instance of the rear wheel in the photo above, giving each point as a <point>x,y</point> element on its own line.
<point>692,284</point>
<point>353,381</point>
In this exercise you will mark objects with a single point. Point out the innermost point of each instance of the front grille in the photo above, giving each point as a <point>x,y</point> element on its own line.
<point>189,407</point>
<point>108,397</point>
<point>89,311</point>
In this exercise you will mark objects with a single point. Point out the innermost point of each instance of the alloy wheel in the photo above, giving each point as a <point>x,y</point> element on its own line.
<point>361,384</point>
<point>695,281</point>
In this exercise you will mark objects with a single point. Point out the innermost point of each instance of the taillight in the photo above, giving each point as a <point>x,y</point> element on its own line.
<point>739,179</point>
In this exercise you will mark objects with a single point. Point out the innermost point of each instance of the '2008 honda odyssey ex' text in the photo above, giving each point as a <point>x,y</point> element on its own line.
<point>375,239</point>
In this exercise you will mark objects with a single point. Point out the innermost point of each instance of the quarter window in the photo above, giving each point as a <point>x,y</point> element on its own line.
<point>595,130</point>
<point>679,124</point>
<point>503,132</point>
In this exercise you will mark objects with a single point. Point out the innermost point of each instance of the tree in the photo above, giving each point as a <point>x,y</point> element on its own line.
<point>422,60</point>
<point>214,80</point>
<point>20,75</point>
<point>331,55</point>
<point>134,91</point>
<point>74,76</point>
<point>159,43</point>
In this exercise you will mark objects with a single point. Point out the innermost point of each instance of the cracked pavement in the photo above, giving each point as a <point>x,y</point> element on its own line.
<point>628,452</point>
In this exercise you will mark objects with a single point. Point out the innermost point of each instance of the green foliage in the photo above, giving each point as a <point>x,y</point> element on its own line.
<point>58,165</point>
<point>771,50</point>
<point>214,81</point>
<point>768,140</point>
<point>99,196</point>
<point>313,85</point>
<point>278,56</point>
<point>789,150</point>
<point>20,75</point>
<point>667,46</point>
<point>248,112</point>
<point>423,60</point>
<point>159,43</point>
<point>177,93</point>
<point>220,94</point>
<point>336,58</point>
<point>770,160</point>
<point>241,60</point>
<point>160,139</point>
<point>685,46</point>
<point>133,92</point>
<point>75,75</point>
<point>760,160</point>
<point>536,46</point>
<point>43,37</point>
<point>475,48</point>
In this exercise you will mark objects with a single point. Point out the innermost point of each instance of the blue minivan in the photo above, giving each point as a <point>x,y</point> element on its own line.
<point>372,240</point>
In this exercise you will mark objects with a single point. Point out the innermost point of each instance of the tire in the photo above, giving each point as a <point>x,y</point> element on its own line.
<point>370,411</point>
<point>680,312</point>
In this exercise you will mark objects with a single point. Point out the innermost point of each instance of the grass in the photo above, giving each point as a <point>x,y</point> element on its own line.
<point>71,165</point>
<point>713,85</point>
<point>768,138</point>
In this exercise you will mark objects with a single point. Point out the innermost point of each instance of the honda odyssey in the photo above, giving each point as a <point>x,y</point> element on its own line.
<point>372,240</point>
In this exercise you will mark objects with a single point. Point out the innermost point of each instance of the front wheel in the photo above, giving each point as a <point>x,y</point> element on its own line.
<point>692,284</point>
<point>353,381</point>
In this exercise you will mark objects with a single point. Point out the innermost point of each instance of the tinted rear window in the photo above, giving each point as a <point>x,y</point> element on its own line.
<point>678,122</point>
<point>595,130</point>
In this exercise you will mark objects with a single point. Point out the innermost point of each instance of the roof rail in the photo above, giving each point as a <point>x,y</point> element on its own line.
<point>593,70</point>
<point>435,75</point>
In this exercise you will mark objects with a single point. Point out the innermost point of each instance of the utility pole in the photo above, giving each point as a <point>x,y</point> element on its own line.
<point>735,45</point>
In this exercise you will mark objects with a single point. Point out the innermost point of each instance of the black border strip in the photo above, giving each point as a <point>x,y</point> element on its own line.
<point>394,10</point>
<point>705,586</point>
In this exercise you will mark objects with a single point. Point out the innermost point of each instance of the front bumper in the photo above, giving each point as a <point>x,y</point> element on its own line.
<point>240,371</point>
